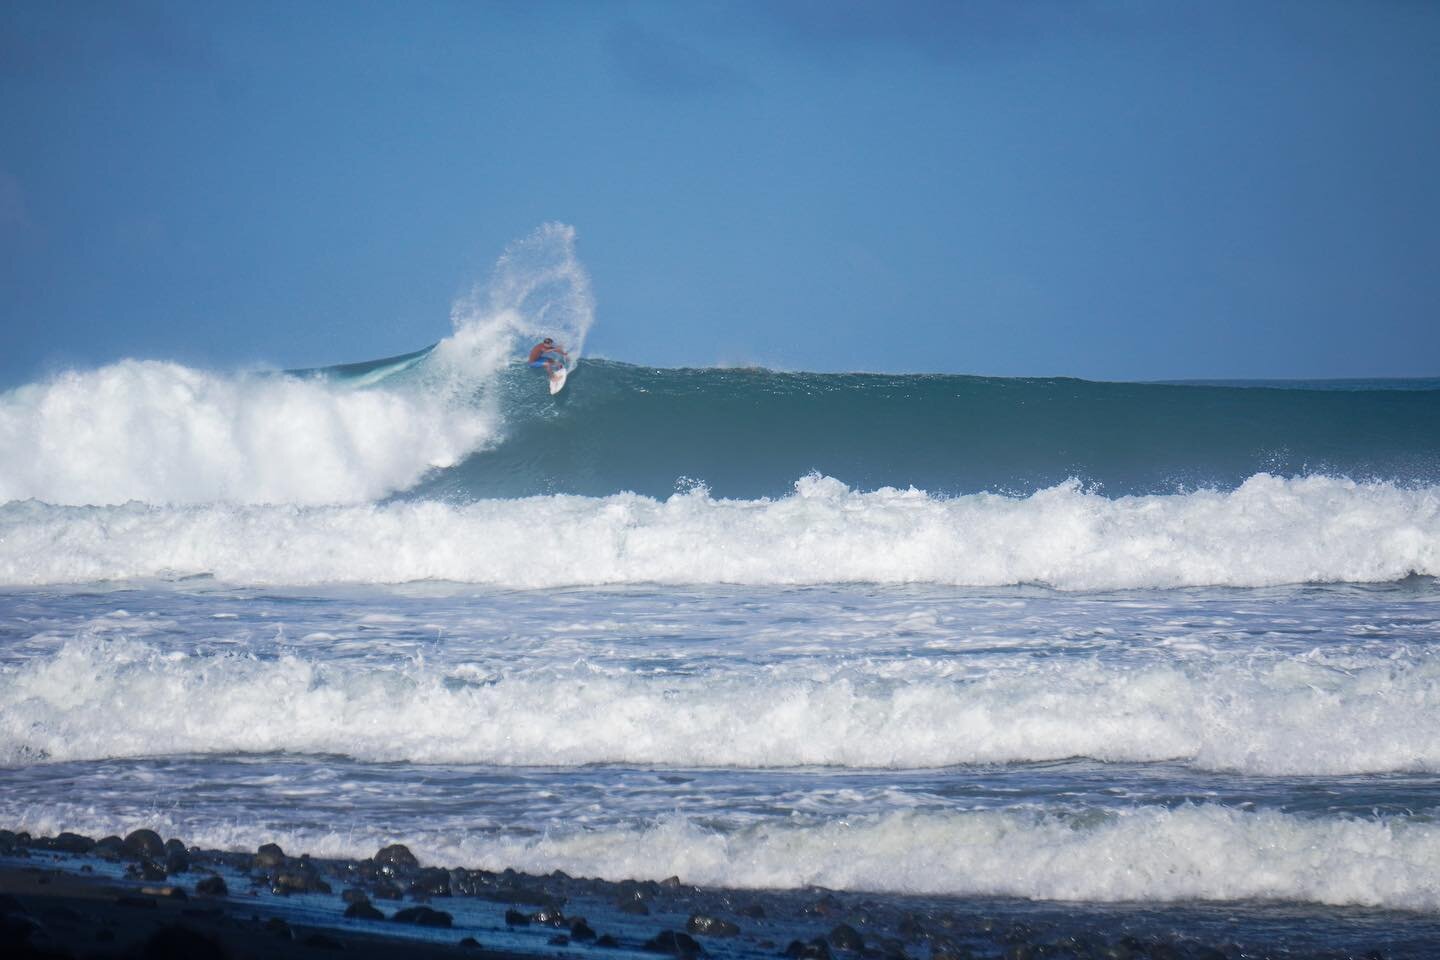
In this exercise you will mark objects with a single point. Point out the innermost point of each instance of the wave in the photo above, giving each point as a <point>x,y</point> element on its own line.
<point>749,433</point>
<point>1200,852</point>
<point>159,432</point>
<point>1235,712</point>
<point>1270,531</point>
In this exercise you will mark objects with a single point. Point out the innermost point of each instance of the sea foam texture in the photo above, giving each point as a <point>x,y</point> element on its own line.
<point>1268,531</point>
<point>1237,711</point>
<point>163,433</point>
<point>1146,853</point>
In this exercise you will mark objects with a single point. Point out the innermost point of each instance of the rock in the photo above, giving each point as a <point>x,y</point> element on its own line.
<point>299,881</point>
<point>636,907</point>
<point>605,940</point>
<point>212,887</point>
<point>816,949</point>
<point>423,917</point>
<point>72,843</point>
<point>470,943</point>
<point>269,855</point>
<point>675,944</point>
<point>177,861</point>
<point>385,890</point>
<point>152,871</point>
<point>354,895</point>
<point>846,937</point>
<point>396,857</point>
<point>362,910</point>
<point>515,918</point>
<point>670,882</point>
<point>707,926</point>
<point>432,881</point>
<point>108,848</point>
<point>559,940</point>
<point>548,917</point>
<point>144,843</point>
<point>279,928</point>
<point>580,930</point>
<point>753,911</point>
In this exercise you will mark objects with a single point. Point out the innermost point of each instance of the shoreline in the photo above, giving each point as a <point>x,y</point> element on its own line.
<point>143,896</point>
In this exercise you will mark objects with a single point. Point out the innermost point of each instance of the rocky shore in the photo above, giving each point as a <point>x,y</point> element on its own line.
<point>142,895</point>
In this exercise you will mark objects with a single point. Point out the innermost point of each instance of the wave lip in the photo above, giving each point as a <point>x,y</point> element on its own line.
<point>1268,532</point>
<point>1231,713</point>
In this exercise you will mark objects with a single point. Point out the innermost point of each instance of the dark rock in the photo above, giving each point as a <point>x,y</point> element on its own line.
<point>826,906</point>
<point>424,917</point>
<point>675,944</point>
<point>559,940</point>
<point>175,942</point>
<point>636,907</point>
<point>515,918</point>
<point>362,910</point>
<point>150,870</point>
<point>385,890</point>
<point>753,911</point>
<point>846,937</point>
<point>269,855</point>
<point>580,930</point>
<point>144,843</point>
<point>279,928</point>
<point>108,848</point>
<point>605,940</point>
<point>174,846</point>
<point>354,895</point>
<point>707,926</point>
<point>432,881</point>
<point>816,949</point>
<point>212,887</point>
<point>396,857</point>
<point>670,882</point>
<point>72,843</point>
<point>299,881</point>
<point>177,861</point>
<point>548,917</point>
<point>323,941</point>
<point>470,943</point>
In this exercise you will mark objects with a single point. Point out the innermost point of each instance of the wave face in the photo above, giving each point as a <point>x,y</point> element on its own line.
<point>750,433</point>
<point>1269,531</point>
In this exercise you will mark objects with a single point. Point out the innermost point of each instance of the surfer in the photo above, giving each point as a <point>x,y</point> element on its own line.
<point>547,354</point>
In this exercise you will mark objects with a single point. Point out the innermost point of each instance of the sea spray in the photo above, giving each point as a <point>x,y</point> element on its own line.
<point>159,432</point>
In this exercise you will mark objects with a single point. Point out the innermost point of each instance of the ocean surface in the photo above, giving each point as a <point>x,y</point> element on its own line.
<point>1046,639</point>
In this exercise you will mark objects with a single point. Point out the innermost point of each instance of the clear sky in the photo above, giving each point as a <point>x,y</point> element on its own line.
<point>1126,189</point>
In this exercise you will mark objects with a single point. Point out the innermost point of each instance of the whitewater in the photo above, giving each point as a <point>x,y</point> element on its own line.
<point>1036,639</point>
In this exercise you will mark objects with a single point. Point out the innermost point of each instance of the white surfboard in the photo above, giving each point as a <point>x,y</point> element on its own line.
<point>557,380</point>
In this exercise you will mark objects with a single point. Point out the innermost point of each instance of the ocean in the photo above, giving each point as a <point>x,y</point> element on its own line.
<point>1088,646</point>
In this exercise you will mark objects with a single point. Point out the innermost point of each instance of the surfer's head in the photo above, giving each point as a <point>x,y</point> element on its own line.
<point>547,341</point>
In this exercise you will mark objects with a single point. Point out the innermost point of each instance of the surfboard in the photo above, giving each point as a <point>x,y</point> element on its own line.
<point>557,380</point>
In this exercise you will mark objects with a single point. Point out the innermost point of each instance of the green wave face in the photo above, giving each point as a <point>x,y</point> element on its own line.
<point>750,433</point>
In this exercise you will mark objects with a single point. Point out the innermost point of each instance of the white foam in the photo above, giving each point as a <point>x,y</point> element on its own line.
<point>160,432</point>
<point>1229,712</point>
<point>1269,531</point>
<point>164,433</point>
<point>1205,852</point>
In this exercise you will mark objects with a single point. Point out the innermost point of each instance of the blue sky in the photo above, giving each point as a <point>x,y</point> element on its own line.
<point>1125,189</point>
